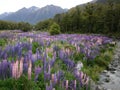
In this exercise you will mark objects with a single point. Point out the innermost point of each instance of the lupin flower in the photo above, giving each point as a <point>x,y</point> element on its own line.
<point>54,55</point>
<point>75,84</point>
<point>49,87</point>
<point>37,72</point>
<point>21,66</point>
<point>25,67</point>
<point>0,70</point>
<point>13,70</point>
<point>4,71</point>
<point>16,66</point>
<point>66,84</point>
<point>49,68</point>
<point>29,54</point>
<point>68,51</point>
<point>29,70</point>
<point>79,66</point>
<point>30,40</point>
<point>61,54</point>
<point>52,62</point>
<point>54,79</point>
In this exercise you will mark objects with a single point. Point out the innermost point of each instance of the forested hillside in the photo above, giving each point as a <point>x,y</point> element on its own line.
<point>93,18</point>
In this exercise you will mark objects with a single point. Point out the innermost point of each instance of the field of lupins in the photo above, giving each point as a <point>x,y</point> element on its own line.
<point>59,62</point>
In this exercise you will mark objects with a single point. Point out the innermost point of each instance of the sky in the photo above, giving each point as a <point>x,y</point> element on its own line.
<point>14,5</point>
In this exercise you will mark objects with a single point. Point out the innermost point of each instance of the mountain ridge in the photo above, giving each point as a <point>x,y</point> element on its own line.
<point>33,14</point>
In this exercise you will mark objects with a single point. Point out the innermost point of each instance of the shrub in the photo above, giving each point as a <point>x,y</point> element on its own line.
<point>54,29</point>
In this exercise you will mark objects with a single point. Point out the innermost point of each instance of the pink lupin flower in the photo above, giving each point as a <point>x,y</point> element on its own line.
<point>17,69</point>
<point>66,84</point>
<point>13,70</point>
<point>29,70</point>
<point>31,40</point>
<point>78,49</point>
<point>68,51</point>
<point>81,75</point>
<point>99,41</point>
<point>21,67</point>
<point>75,45</point>
<point>52,77</point>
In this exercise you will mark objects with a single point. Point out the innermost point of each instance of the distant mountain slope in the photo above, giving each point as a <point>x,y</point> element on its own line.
<point>4,15</point>
<point>104,1</point>
<point>33,14</point>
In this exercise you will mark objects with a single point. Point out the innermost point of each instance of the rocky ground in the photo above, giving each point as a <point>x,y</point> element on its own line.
<point>110,78</point>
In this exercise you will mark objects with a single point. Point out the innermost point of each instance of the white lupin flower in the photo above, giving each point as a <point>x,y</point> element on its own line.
<point>79,66</point>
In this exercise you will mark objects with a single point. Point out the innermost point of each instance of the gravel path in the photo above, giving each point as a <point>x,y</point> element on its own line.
<point>110,79</point>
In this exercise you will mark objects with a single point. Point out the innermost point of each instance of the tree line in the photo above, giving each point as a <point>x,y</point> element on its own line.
<point>8,25</point>
<point>93,18</point>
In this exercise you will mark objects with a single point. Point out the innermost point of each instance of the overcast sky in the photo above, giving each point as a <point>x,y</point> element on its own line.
<point>14,5</point>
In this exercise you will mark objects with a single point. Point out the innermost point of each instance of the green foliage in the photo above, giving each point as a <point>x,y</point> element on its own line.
<point>35,45</point>
<point>38,63</point>
<point>24,26</point>
<point>54,29</point>
<point>5,25</point>
<point>44,25</point>
<point>3,42</point>
<point>20,84</point>
<point>41,82</point>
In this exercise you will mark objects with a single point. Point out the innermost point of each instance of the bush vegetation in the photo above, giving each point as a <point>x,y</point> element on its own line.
<point>54,29</point>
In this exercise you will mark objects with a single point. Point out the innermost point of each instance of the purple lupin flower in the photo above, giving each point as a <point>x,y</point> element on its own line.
<point>52,62</point>
<point>0,70</point>
<point>54,55</point>
<point>29,54</point>
<point>75,84</point>
<point>20,53</point>
<point>44,62</point>
<point>5,69</point>
<point>25,67</point>
<point>49,87</point>
<point>49,68</point>
<point>37,53</point>
<point>37,72</point>
<point>61,54</point>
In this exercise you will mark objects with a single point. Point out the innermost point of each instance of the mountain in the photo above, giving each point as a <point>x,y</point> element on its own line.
<point>4,15</point>
<point>33,14</point>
